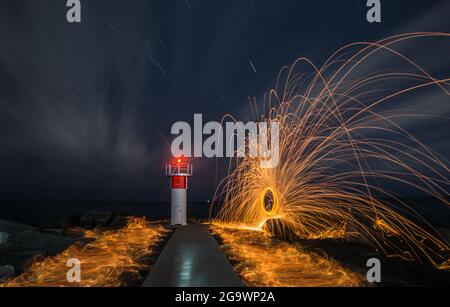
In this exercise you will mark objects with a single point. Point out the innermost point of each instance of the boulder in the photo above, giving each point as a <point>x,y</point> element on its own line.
<point>93,219</point>
<point>118,222</point>
<point>4,237</point>
<point>37,257</point>
<point>23,259</point>
<point>34,240</point>
<point>7,272</point>
<point>70,221</point>
<point>55,231</point>
<point>14,228</point>
<point>28,244</point>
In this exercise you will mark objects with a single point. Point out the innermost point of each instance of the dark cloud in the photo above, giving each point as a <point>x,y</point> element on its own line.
<point>86,109</point>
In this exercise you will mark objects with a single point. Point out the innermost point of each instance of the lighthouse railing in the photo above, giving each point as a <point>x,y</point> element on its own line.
<point>183,169</point>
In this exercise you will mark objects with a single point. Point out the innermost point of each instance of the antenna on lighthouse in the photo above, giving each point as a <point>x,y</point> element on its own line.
<point>179,170</point>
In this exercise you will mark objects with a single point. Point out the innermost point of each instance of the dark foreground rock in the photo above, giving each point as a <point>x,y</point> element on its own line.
<point>395,272</point>
<point>28,245</point>
<point>33,240</point>
<point>118,222</point>
<point>93,219</point>
<point>70,221</point>
<point>4,237</point>
<point>21,245</point>
<point>6,272</point>
<point>14,228</point>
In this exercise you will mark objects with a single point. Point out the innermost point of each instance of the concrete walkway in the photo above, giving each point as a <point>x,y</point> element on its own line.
<point>192,258</point>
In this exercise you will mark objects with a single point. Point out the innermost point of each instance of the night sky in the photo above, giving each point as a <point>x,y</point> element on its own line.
<point>86,109</point>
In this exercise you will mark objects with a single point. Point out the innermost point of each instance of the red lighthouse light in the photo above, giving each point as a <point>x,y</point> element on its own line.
<point>178,182</point>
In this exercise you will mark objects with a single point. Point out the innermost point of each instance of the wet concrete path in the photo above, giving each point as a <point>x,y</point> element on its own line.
<point>192,258</point>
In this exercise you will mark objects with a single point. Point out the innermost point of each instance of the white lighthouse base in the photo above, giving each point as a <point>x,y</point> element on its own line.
<point>178,207</point>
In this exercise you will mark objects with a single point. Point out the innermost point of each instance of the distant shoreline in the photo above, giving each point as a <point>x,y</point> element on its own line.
<point>51,212</point>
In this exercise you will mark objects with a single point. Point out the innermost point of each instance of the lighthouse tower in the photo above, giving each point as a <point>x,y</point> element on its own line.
<point>178,171</point>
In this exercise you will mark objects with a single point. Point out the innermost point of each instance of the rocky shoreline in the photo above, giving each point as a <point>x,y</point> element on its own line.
<point>21,245</point>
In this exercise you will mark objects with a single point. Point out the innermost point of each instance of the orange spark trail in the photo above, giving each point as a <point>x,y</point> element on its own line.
<point>264,262</point>
<point>103,261</point>
<point>340,155</point>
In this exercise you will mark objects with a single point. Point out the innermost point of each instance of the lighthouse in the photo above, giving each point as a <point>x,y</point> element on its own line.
<point>178,172</point>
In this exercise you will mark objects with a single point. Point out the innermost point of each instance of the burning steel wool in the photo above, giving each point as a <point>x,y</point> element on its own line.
<point>103,261</point>
<point>264,262</point>
<point>341,152</point>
